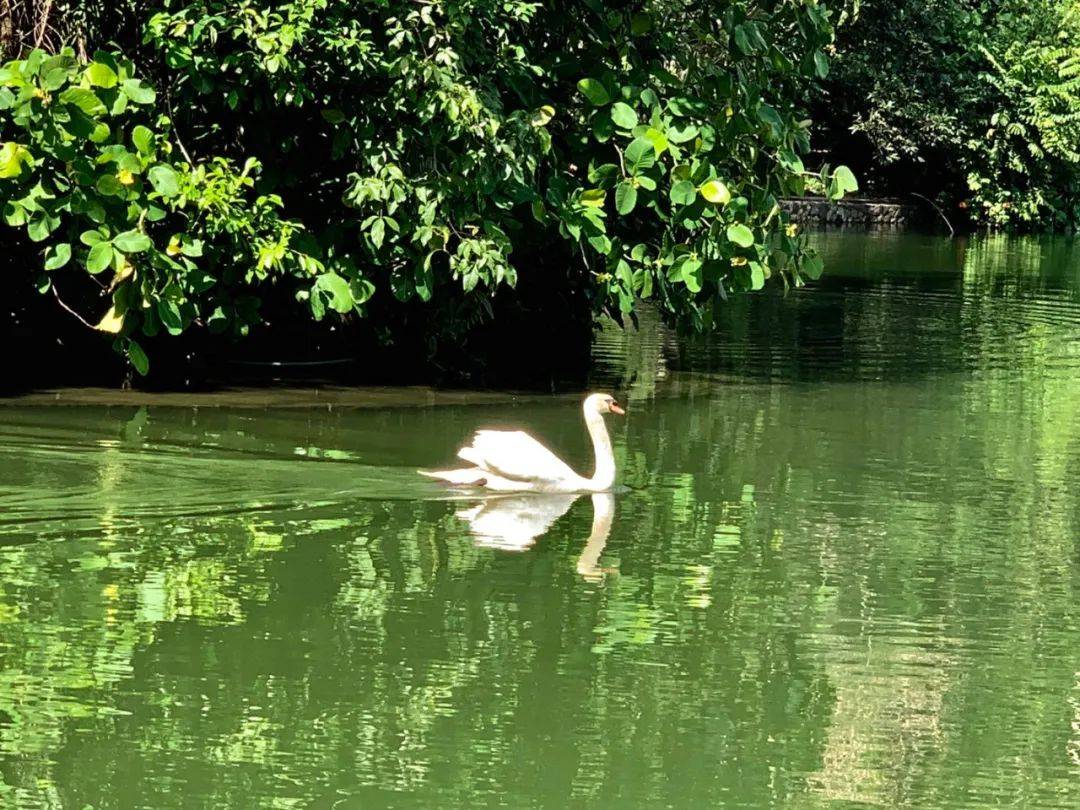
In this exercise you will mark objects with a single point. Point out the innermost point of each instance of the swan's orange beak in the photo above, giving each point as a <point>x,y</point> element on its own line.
<point>616,408</point>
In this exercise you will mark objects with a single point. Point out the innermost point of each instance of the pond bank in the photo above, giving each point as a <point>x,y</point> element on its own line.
<point>873,212</point>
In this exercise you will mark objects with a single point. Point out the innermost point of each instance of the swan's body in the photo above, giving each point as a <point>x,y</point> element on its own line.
<point>513,461</point>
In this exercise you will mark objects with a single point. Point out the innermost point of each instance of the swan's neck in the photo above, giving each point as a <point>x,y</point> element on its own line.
<point>604,476</point>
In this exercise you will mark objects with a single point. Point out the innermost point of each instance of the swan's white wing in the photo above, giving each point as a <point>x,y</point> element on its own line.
<point>516,455</point>
<point>514,523</point>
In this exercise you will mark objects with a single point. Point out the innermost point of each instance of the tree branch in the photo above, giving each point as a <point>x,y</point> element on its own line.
<point>60,301</point>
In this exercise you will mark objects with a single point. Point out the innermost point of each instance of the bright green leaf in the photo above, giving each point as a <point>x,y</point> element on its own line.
<point>143,139</point>
<point>625,198</point>
<point>84,99</point>
<point>138,91</point>
<point>623,115</point>
<point>740,235</point>
<point>132,242</point>
<point>165,180</point>
<point>542,115</point>
<point>593,197</point>
<point>101,75</point>
<point>100,257</point>
<point>58,256</point>
<point>715,192</point>
<point>640,155</point>
<point>683,193</point>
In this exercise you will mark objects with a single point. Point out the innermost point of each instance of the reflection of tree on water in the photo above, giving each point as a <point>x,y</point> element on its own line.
<point>516,522</point>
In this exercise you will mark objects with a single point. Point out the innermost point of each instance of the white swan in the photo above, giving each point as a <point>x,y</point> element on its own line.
<point>513,461</point>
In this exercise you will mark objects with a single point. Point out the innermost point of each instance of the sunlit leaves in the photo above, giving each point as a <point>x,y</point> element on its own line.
<point>138,91</point>
<point>542,116</point>
<point>840,183</point>
<point>58,256</point>
<point>593,198</point>
<point>85,100</point>
<point>164,180</point>
<point>640,155</point>
<point>715,192</point>
<point>101,75</point>
<point>594,91</point>
<point>625,198</point>
<point>112,322</point>
<point>143,139</point>
<point>623,115</point>
<point>99,257</point>
<point>739,234</point>
<point>13,157</point>
<point>132,242</point>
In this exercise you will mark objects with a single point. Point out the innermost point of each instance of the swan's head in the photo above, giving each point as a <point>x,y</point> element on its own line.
<point>603,403</point>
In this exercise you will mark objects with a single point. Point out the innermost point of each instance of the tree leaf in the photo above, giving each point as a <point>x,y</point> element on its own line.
<point>12,158</point>
<point>715,192</point>
<point>640,155</point>
<point>757,276</point>
<point>101,75</point>
<point>55,79</point>
<point>812,266</point>
<point>692,275</point>
<point>845,180</point>
<point>84,99</point>
<point>378,232</point>
<point>138,358</point>
<point>541,116</point>
<point>143,139</point>
<point>623,115</point>
<point>109,185</point>
<point>99,257</point>
<point>112,322</point>
<point>340,294</point>
<point>625,198</point>
<point>41,226</point>
<point>658,139</point>
<point>594,91</point>
<point>593,197</point>
<point>165,180</point>
<point>132,242</point>
<point>821,65</point>
<point>683,193</point>
<point>58,256</point>
<point>138,91</point>
<point>740,235</point>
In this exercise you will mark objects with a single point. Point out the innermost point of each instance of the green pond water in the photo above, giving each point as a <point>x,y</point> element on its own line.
<point>843,568</point>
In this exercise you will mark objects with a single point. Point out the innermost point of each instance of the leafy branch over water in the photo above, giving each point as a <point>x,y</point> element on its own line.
<point>376,157</point>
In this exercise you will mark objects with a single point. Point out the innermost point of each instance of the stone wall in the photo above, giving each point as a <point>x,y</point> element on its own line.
<point>853,211</point>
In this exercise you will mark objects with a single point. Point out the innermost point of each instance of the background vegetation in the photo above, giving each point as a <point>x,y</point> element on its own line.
<point>973,102</point>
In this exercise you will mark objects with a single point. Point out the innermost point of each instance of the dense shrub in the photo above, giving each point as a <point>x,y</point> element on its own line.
<point>975,102</point>
<point>415,153</point>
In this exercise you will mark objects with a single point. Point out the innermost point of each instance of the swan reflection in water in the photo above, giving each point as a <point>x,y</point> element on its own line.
<point>515,522</point>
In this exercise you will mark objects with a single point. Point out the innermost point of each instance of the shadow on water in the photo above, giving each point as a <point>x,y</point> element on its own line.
<point>844,569</point>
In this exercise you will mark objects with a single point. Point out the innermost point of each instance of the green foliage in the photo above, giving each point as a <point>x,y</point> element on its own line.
<point>429,153</point>
<point>1027,166</point>
<point>92,175</point>
<point>977,102</point>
